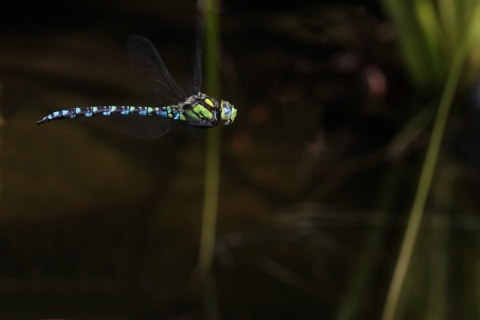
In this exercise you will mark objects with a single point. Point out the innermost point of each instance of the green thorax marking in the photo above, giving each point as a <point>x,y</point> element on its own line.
<point>200,110</point>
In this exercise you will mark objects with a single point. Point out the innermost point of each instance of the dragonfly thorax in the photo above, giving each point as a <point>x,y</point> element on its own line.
<point>200,110</point>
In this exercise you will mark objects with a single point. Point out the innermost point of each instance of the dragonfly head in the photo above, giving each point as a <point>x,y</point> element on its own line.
<point>229,112</point>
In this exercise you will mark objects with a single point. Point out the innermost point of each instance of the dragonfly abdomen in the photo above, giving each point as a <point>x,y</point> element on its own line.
<point>169,112</point>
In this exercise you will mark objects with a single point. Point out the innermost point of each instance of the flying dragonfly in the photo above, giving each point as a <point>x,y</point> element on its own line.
<point>171,103</point>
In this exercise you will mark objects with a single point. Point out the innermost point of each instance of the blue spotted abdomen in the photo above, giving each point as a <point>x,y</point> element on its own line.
<point>169,112</point>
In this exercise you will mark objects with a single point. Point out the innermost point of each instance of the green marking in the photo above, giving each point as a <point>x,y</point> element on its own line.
<point>191,115</point>
<point>198,108</point>
<point>201,110</point>
<point>208,101</point>
<point>131,109</point>
<point>207,113</point>
<point>94,109</point>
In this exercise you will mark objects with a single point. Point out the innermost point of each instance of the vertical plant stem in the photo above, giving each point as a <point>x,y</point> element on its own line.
<point>424,184</point>
<point>212,172</point>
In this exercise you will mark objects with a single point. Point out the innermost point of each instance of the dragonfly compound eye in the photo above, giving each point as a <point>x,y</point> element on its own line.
<point>229,112</point>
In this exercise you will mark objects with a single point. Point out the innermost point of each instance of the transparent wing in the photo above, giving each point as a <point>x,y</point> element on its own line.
<point>150,69</point>
<point>197,70</point>
<point>144,127</point>
<point>159,85</point>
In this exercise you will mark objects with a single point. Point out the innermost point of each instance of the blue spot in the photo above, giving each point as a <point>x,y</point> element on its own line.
<point>106,113</point>
<point>176,116</point>
<point>163,113</point>
<point>125,111</point>
<point>56,113</point>
<point>73,115</point>
<point>50,117</point>
<point>64,112</point>
<point>88,114</point>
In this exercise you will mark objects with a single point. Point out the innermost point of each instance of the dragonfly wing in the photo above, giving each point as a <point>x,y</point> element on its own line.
<point>162,89</point>
<point>197,70</point>
<point>144,127</point>
<point>150,69</point>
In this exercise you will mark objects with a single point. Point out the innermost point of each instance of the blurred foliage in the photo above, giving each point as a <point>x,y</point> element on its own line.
<point>437,41</point>
<point>431,31</point>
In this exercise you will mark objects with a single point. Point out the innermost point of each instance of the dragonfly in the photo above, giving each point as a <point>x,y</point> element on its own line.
<point>170,103</point>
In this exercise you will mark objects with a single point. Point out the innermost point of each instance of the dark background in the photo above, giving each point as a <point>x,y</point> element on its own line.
<point>97,224</point>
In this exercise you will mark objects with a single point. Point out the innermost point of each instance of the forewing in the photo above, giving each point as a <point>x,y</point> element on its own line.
<point>150,69</point>
<point>197,70</point>
<point>160,86</point>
